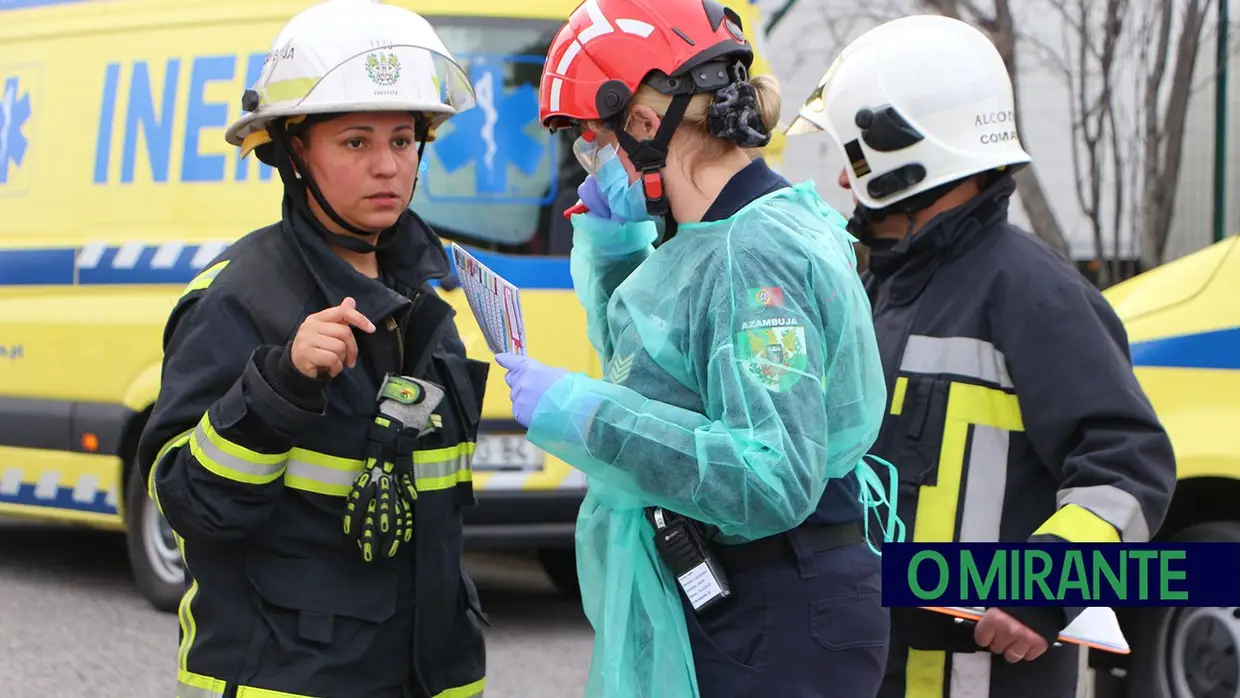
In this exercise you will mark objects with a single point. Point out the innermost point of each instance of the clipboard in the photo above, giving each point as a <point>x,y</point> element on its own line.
<point>1096,627</point>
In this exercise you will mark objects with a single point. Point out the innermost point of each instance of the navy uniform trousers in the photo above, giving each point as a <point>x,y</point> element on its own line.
<point>805,619</point>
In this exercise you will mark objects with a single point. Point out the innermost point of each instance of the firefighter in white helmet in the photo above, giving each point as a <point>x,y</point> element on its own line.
<point>1009,374</point>
<point>312,438</point>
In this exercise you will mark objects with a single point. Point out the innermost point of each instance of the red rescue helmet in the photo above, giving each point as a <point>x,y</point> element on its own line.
<point>609,48</point>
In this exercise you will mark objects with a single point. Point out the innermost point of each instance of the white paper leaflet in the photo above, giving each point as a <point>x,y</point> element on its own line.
<point>496,304</point>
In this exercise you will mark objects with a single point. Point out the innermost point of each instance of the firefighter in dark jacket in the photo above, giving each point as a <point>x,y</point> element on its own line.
<point>312,438</point>
<point>1014,413</point>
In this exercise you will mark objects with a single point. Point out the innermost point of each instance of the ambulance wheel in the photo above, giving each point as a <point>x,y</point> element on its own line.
<point>560,565</point>
<point>154,556</point>
<point>1187,652</point>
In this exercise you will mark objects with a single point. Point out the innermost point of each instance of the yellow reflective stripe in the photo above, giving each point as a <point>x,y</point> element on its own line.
<point>443,468</point>
<point>1076,524</point>
<point>312,471</point>
<point>897,395</point>
<point>252,692</point>
<point>185,613</point>
<point>284,90</point>
<point>191,685</point>
<point>204,278</point>
<point>924,674</point>
<point>177,442</point>
<point>435,469</point>
<point>1113,505</point>
<point>321,473</point>
<point>967,405</point>
<point>231,461</point>
<point>472,690</point>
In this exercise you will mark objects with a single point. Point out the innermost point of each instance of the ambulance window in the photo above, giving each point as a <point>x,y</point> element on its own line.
<point>494,177</point>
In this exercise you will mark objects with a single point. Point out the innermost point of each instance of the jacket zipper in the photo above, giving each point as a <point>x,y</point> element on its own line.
<point>394,326</point>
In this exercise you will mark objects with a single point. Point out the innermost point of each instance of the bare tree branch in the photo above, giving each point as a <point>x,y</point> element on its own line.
<point>1037,205</point>
<point>1163,168</point>
<point>1000,26</point>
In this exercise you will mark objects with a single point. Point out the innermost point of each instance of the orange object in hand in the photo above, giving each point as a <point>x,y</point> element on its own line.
<point>579,207</point>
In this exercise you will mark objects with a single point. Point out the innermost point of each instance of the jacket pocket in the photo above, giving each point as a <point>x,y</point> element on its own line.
<point>917,432</point>
<point>314,604</point>
<point>321,620</point>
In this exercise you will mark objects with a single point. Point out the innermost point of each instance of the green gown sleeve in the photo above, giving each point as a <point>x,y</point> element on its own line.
<point>604,254</point>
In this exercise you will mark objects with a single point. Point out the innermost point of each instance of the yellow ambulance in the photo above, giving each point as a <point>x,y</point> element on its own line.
<point>116,187</point>
<point>1183,324</point>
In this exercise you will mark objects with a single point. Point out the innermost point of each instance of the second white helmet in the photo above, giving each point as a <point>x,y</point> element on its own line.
<point>914,104</point>
<point>353,55</point>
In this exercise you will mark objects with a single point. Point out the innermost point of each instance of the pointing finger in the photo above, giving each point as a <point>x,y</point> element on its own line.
<point>361,322</point>
<point>347,313</point>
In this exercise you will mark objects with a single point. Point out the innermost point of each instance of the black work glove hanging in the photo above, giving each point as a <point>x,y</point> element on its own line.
<point>379,513</point>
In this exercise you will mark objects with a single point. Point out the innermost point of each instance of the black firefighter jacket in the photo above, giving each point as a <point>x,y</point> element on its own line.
<point>251,464</point>
<point>1014,414</point>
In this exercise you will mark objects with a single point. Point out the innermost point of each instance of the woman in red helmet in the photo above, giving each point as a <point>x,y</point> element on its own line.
<point>743,384</point>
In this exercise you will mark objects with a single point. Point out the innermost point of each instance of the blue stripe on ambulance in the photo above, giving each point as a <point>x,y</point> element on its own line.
<point>86,496</point>
<point>1212,350</point>
<point>175,263</point>
<point>28,4</point>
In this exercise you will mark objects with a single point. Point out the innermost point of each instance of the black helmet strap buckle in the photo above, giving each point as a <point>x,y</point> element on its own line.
<point>649,156</point>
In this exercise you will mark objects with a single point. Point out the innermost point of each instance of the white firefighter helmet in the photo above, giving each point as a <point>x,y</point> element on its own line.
<point>913,104</point>
<point>351,56</point>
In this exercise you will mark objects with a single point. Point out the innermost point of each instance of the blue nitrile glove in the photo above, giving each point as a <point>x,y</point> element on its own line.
<point>528,380</point>
<point>592,196</point>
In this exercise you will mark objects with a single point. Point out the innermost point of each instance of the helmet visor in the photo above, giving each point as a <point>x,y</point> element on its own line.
<point>398,77</point>
<point>812,115</point>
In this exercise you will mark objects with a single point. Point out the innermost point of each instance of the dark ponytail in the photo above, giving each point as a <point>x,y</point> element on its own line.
<point>736,115</point>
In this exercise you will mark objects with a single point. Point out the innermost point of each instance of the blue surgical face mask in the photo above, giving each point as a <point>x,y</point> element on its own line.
<point>624,198</point>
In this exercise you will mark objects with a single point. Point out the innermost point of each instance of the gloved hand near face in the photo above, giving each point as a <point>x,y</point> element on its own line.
<point>527,380</point>
<point>607,191</point>
<point>594,199</point>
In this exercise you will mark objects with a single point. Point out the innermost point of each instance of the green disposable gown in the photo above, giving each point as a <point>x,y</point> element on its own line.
<point>742,375</point>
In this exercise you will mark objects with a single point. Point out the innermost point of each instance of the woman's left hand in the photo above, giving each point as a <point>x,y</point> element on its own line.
<point>528,380</point>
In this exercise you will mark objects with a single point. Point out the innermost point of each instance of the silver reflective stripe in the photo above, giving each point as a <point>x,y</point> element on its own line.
<point>217,456</point>
<point>442,468</point>
<point>320,474</point>
<point>961,356</point>
<point>1113,505</point>
<point>970,675</point>
<point>985,485</point>
<point>185,690</point>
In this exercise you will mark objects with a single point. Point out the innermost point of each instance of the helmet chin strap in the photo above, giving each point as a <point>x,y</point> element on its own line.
<point>299,183</point>
<point>649,157</point>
